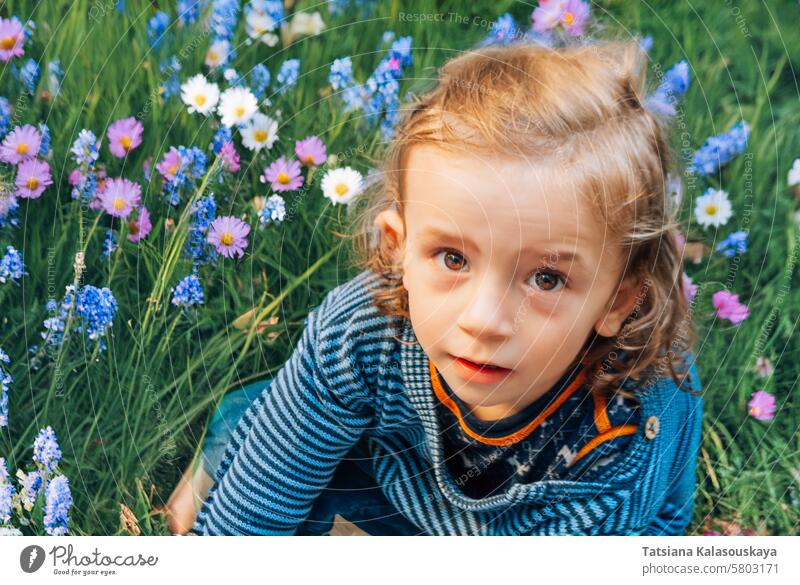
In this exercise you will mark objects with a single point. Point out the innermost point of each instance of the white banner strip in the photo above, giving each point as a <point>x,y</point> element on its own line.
<point>382,560</point>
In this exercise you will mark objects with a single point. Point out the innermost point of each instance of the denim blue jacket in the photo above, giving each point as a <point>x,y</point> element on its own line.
<point>357,374</point>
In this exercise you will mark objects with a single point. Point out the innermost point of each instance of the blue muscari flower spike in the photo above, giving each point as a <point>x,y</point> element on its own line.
<point>54,76</point>
<point>675,85</point>
<point>259,80</point>
<point>188,11</point>
<point>109,244</point>
<point>44,147</point>
<point>188,292</point>
<point>46,451</point>
<point>504,30</point>
<point>29,487</point>
<point>8,211</point>
<point>223,18</point>
<point>29,75</point>
<point>96,307</point>
<point>274,210</point>
<point>720,149</point>
<point>11,266</point>
<point>7,493</point>
<point>85,151</point>
<point>735,243</point>
<point>196,247</point>
<point>341,75</point>
<point>287,75</point>
<point>156,27</point>
<point>5,116</point>
<point>169,69</point>
<point>5,383</point>
<point>58,501</point>
<point>274,9</point>
<point>646,43</point>
<point>192,167</point>
<point>221,136</point>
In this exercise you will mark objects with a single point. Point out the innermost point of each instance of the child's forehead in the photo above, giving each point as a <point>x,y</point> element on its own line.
<point>507,197</point>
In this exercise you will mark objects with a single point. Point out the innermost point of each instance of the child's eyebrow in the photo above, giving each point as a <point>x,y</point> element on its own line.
<point>548,255</point>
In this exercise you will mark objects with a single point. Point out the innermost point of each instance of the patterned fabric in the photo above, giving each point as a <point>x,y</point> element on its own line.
<point>357,374</point>
<point>556,433</point>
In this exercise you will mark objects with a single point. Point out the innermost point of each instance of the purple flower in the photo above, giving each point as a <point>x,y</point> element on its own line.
<point>120,196</point>
<point>139,228</point>
<point>228,234</point>
<point>21,144</point>
<point>728,307</point>
<point>33,177</point>
<point>311,151</point>
<point>283,175</point>
<point>124,135</point>
<point>761,405</point>
<point>170,164</point>
<point>689,288</point>
<point>12,37</point>
<point>571,14</point>
<point>230,158</point>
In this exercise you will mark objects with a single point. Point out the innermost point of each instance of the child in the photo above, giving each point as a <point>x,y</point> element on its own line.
<point>515,355</point>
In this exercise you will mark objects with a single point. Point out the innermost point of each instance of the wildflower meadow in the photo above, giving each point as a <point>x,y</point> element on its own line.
<point>176,177</point>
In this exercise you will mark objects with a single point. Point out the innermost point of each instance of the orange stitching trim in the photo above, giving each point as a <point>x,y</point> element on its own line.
<point>612,433</point>
<point>600,416</point>
<point>515,436</point>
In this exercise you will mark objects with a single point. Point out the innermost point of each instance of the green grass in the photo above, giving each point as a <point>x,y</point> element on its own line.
<point>129,419</point>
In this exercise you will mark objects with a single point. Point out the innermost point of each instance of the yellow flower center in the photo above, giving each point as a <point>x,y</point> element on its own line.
<point>32,183</point>
<point>8,42</point>
<point>133,227</point>
<point>341,189</point>
<point>260,135</point>
<point>239,111</point>
<point>212,56</point>
<point>309,160</point>
<point>119,203</point>
<point>755,411</point>
<point>283,178</point>
<point>569,18</point>
<point>22,148</point>
<point>200,99</point>
<point>126,142</point>
<point>226,239</point>
<point>711,209</point>
<point>173,169</point>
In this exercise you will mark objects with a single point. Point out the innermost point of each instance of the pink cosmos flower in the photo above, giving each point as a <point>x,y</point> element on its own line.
<point>33,177</point>
<point>230,158</point>
<point>139,228</point>
<point>120,196</point>
<point>283,175</point>
<point>728,307</point>
<point>228,234</point>
<point>21,144</point>
<point>170,164</point>
<point>761,405</point>
<point>124,135</point>
<point>571,14</point>
<point>75,177</point>
<point>311,151</point>
<point>689,288</point>
<point>12,37</point>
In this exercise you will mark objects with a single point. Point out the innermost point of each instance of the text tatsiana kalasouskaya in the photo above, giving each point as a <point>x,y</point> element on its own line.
<point>708,551</point>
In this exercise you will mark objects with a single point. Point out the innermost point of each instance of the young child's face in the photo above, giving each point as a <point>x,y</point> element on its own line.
<point>504,264</point>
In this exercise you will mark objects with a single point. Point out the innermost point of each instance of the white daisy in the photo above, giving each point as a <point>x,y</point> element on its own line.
<point>236,105</point>
<point>713,208</point>
<point>342,185</point>
<point>259,26</point>
<point>200,95</point>
<point>259,132</point>
<point>304,23</point>
<point>794,174</point>
<point>217,53</point>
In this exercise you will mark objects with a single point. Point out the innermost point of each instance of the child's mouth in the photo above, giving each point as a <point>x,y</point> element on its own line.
<point>478,372</point>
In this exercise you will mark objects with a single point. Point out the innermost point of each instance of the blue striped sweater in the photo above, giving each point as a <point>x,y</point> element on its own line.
<point>357,373</point>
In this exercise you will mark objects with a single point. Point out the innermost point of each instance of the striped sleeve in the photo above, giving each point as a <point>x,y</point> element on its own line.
<point>289,442</point>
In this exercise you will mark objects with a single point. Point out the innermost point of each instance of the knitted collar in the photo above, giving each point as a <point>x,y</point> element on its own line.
<point>618,477</point>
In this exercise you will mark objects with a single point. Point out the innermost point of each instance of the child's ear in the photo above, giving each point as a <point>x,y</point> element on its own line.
<point>392,232</point>
<point>622,304</point>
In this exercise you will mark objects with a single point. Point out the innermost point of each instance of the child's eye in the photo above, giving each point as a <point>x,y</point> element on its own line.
<point>452,259</point>
<point>548,280</point>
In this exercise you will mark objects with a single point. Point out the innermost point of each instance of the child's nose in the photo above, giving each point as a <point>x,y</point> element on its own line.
<point>488,312</point>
